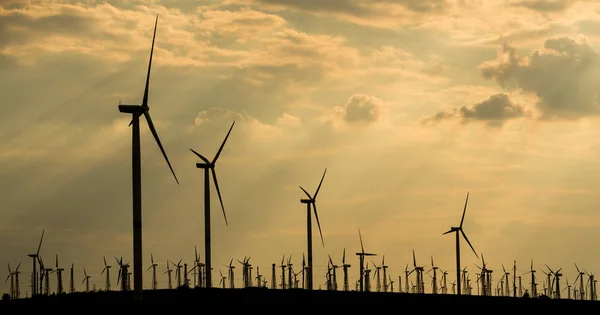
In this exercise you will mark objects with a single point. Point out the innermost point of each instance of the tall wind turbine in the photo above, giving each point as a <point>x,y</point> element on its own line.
<point>34,283</point>
<point>209,166</point>
<point>456,230</point>
<point>136,111</point>
<point>311,201</point>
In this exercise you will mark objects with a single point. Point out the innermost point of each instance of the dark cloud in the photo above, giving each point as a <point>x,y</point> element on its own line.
<point>365,8</point>
<point>564,76</point>
<point>546,5</point>
<point>360,108</point>
<point>496,110</point>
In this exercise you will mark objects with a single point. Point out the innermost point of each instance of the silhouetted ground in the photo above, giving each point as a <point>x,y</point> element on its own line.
<point>295,299</point>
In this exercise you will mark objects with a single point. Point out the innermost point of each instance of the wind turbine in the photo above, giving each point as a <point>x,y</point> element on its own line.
<point>209,166</point>
<point>153,265</point>
<point>311,201</point>
<point>556,281</point>
<point>361,257</point>
<point>456,230</point>
<point>136,111</point>
<point>86,279</point>
<point>168,272</point>
<point>580,277</point>
<point>107,269</point>
<point>34,283</point>
<point>178,267</point>
<point>345,267</point>
<point>11,276</point>
<point>59,283</point>
<point>123,275</point>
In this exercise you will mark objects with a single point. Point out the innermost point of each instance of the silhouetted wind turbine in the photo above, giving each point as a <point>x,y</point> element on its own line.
<point>136,111</point>
<point>456,230</point>
<point>311,201</point>
<point>345,267</point>
<point>361,257</point>
<point>152,266</point>
<point>86,279</point>
<point>34,283</point>
<point>107,269</point>
<point>209,166</point>
<point>59,284</point>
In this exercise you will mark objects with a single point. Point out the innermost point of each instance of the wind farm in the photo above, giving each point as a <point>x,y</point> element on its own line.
<point>321,116</point>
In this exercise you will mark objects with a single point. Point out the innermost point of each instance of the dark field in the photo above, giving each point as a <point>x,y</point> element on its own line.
<point>294,299</point>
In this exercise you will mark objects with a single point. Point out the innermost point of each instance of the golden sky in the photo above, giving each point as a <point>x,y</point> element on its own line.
<point>408,104</point>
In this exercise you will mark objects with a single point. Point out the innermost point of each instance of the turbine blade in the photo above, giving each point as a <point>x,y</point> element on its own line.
<point>314,205</point>
<point>201,157</point>
<point>468,242</point>
<point>214,175</point>
<point>414,259</point>
<point>450,231</point>
<point>321,182</point>
<point>155,134</point>
<point>145,100</point>
<point>464,211</point>
<point>104,260</point>
<point>362,248</point>
<point>306,192</point>
<point>343,257</point>
<point>223,144</point>
<point>40,245</point>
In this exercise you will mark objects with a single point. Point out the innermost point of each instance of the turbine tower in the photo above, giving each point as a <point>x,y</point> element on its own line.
<point>71,281</point>
<point>136,111</point>
<point>209,167</point>
<point>456,230</point>
<point>361,256</point>
<point>311,201</point>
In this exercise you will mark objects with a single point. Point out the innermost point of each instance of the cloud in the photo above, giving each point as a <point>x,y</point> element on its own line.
<point>563,75</point>
<point>374,13</point>
<point>495,110</point>
<point>546,5</point>
<point>360,108</point>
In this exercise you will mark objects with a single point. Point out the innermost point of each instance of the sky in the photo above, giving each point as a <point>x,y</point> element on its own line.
<point>409,105</point>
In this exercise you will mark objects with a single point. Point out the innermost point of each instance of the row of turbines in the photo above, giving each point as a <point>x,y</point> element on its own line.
<point>203,272</point>
<point>289,278</point>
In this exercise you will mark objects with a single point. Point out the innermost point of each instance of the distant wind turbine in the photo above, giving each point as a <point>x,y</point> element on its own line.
<point>136,111</point>
<point>209,166</point>
<point>34,284</point>
<point>107,270</point>
<point>456,230</point>
<point>311,201</point>
<point>361,255</point>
